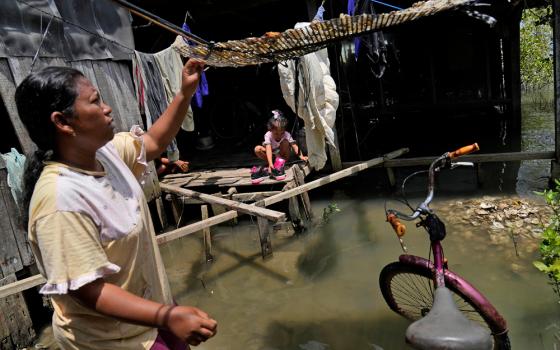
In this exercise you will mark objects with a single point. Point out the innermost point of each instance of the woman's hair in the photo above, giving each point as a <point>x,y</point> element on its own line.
<point>277,121</point>
<point>52,89</point>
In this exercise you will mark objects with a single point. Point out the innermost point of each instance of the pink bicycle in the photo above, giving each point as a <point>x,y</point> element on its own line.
<point>448,312</point>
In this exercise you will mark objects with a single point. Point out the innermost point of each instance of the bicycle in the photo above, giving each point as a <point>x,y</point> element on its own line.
<point>442,304</point>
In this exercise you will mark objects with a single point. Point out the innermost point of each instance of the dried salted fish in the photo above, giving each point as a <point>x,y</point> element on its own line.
<point>280,46</point>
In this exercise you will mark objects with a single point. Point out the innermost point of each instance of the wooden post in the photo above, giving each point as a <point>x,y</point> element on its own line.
<point>555,168</point>
<point>161,213</point>
<point>206,235</point>
<point>177,209</point>
<point>391,177</point>
<point>334,153</point>
<point>264,235</point>
<point>304,197</point>
<point>293,208</point>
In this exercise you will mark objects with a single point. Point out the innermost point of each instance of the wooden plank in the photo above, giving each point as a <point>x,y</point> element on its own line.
<point>21,285</point>
<point>86,68</point>
<point>215,220</point>
<point>240,197</point>
<point>13,216</point>
<point>475,158</point>
<point>7,92</point>
<point>10,261</point>
<point>334,176</point>
<point>16,318</point>
<point>241,207</point>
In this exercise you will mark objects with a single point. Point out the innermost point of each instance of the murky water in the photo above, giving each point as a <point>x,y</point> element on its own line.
<point>320,289</point>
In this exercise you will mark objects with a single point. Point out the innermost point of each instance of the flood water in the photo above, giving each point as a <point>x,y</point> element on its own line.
<point>320,289</point>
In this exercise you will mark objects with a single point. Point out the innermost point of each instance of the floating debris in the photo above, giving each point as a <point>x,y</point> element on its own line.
<point>505,218</point>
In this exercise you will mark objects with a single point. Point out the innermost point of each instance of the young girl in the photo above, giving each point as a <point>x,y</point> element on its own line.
<point>88,220</point>
<point>278,143</point>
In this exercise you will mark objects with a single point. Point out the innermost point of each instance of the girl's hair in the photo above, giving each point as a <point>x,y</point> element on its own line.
<point>52,89</point>
<point>277,120</point>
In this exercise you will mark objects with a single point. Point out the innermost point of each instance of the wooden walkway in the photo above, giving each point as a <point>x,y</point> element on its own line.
<point>227,178</point>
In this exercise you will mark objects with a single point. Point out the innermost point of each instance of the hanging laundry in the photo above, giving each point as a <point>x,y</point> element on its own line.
<point>171,66</point>
<point>15,164</point>
<point>319,14</point>
<point>202,89</point>
<point>151,93</point>
<point>375,43</point>
<point>317,100</point>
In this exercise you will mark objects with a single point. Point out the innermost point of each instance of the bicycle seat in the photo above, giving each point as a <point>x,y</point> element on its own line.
<point>445,327</point>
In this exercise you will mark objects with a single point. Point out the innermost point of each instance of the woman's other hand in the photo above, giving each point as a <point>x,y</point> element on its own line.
<point>304,158</point>
<point>190,76</point>
<point>191,324</point>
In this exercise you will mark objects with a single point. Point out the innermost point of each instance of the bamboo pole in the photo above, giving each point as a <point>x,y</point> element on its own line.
<point>268,214</point>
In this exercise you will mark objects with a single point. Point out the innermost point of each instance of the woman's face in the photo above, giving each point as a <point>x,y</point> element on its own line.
<point>92,120</point>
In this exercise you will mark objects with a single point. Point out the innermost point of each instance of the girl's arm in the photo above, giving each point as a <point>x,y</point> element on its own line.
<point>190,324</point>
<point>295,147</point>
<point>268,148</point>
<point>167,126</point>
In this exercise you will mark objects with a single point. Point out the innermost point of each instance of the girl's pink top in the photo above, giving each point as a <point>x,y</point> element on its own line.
<point>269,139</point>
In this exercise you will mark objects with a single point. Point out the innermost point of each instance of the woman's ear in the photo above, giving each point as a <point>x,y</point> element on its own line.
<point>61,124</point>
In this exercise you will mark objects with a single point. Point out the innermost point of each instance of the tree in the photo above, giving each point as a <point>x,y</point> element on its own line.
<point>536,48</point>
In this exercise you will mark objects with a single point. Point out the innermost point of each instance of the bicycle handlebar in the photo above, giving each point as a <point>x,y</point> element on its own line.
<point>423,208</point>
<point>399,228</point>
<point>464,150</point>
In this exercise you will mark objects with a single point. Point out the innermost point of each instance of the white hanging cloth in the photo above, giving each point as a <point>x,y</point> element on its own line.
<point>317,100</point>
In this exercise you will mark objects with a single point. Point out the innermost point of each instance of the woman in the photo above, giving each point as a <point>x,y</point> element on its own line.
<point>89,226</point>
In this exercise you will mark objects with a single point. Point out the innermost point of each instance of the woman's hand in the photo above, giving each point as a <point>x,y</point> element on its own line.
<point>190,76</point>
<point>191,324</point>
<point>302,157</point>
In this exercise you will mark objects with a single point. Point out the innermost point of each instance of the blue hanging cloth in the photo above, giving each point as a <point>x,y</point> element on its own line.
<point>319,14</point>
<point>202,88</point>
<point>357,42</point>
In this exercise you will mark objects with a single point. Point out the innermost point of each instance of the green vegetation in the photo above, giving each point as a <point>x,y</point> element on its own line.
<point>536,48</point>
<point>329,210</point>
<point>550,245</point>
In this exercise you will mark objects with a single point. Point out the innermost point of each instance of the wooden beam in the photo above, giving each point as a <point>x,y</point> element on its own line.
<point>333,177</point>
<point>198,226</point>
<point>20,286</point>
<point>237,206</point>
<point>475,158</point>
<point>206,235</point>
<point>240,197</point>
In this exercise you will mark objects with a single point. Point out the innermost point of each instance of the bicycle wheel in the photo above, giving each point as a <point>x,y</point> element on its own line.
<point>407,288</point>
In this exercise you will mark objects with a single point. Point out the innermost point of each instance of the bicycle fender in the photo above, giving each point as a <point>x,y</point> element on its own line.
<point>497,323</point>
